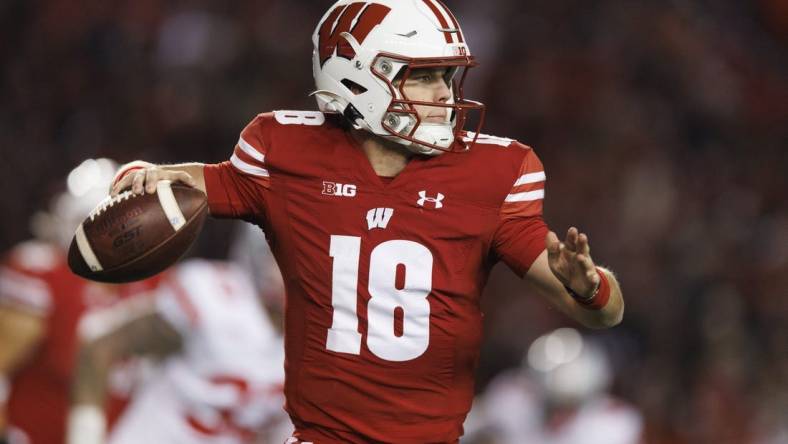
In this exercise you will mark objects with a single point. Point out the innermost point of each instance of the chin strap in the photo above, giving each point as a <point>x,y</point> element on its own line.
<point>440,134</point>
<point>433,133</point>
<point>354,117</point>
<point>332,103</point>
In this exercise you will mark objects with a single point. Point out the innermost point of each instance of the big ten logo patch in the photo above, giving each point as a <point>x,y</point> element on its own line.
<point>339,189</point>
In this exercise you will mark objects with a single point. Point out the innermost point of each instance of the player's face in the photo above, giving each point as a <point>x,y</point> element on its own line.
<point>429,85</point>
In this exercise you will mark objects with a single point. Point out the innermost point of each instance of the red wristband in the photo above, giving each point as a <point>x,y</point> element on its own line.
<point>131,166</point>
<point>600,297</point>
<point>123,173</point>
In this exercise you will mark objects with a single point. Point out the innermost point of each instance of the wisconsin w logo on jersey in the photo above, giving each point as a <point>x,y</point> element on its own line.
<point>379,217</point>
<point>347,15</point>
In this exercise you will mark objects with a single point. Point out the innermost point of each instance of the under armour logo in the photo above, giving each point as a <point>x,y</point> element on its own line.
<point>435,200</point>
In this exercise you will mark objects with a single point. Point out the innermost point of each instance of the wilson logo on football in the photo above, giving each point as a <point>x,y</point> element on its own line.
<point>436,201</point>
<point>346,16</point>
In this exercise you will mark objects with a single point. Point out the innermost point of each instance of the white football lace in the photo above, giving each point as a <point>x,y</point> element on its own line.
<point>109,202</point>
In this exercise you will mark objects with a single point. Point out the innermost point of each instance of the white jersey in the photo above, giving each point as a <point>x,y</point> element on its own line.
<point>225,386</point>
<point>511,411</point>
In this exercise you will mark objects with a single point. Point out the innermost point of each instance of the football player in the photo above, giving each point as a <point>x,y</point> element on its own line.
<point>558,396</point>
<point>386,216</point>
<point>41,302</point>
<point>222,373</point>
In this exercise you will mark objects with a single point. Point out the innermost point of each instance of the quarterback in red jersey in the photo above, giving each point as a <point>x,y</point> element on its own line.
<point>385,216</point>
<point>41,305</point>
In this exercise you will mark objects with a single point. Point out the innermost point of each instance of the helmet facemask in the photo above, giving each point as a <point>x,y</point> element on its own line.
<point>401,120</point>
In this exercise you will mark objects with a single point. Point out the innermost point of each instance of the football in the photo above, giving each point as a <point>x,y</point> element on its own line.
<point>131,237</point>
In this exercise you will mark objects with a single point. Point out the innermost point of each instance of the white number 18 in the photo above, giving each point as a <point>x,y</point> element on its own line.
<point>343,336</point>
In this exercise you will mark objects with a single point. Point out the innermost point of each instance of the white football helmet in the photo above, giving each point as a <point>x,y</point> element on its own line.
<point>359,49</point>
<point>86,186</point>
<point>569,368</point>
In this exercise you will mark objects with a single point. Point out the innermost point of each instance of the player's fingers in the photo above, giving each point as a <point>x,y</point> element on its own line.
<point>583,245</point>
<point>151,179</point>
<point>552,244</point>
<point>120,185</point>
<point>571,239</point>
<point>138,182</point>
<point>585,263</point>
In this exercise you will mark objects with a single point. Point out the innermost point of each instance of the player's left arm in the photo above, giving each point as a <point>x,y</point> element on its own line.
<point>566,275</point>
<point>129,329</point>
<point>562,272</point>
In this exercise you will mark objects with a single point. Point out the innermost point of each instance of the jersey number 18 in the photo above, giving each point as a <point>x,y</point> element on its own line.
<point>411,299</point>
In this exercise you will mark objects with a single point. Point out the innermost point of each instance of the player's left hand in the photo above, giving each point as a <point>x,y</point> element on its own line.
<point>570,261</point>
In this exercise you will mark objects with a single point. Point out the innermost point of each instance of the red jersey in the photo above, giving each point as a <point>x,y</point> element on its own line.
<point>383,277</point>
<point>35,278</point>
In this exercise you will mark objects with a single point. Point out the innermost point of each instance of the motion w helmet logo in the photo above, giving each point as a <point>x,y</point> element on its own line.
<point>330,36</point>
<point>423,198</point>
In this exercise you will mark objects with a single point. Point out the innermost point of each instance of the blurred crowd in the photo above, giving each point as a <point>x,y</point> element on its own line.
<point>662,125</point>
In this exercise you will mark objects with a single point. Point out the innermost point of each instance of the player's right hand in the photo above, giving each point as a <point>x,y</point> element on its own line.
<point>142,177</point>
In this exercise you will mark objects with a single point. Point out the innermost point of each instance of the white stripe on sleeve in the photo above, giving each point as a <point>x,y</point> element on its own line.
<point>527,196</point>
<point>250,150</point>
<point>530,178</point>
<point>248,169</point>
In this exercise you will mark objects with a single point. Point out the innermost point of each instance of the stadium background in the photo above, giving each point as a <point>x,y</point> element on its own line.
<point>663,126</point>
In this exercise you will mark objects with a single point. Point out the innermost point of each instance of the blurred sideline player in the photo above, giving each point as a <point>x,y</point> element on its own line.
<point>222,373</point>
<point>386,217</point>
<point>41,302</point>
<point>559,396</point>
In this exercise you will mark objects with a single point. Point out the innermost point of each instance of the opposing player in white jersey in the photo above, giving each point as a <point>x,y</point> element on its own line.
<point>41,302</point>
<point>558,397</point>
<point>222,375</point>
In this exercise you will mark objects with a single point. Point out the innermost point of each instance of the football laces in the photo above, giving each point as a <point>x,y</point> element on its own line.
<point>109,202</point>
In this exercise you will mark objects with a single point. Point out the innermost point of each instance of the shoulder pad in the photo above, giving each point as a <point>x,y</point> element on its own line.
<point>486,139</point>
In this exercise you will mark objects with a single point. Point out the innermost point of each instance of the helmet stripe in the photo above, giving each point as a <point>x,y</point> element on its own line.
<point>441,19</point>
<point>453,19</point>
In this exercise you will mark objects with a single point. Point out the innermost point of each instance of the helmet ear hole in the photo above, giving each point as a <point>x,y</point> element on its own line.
<point>354,87</point>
